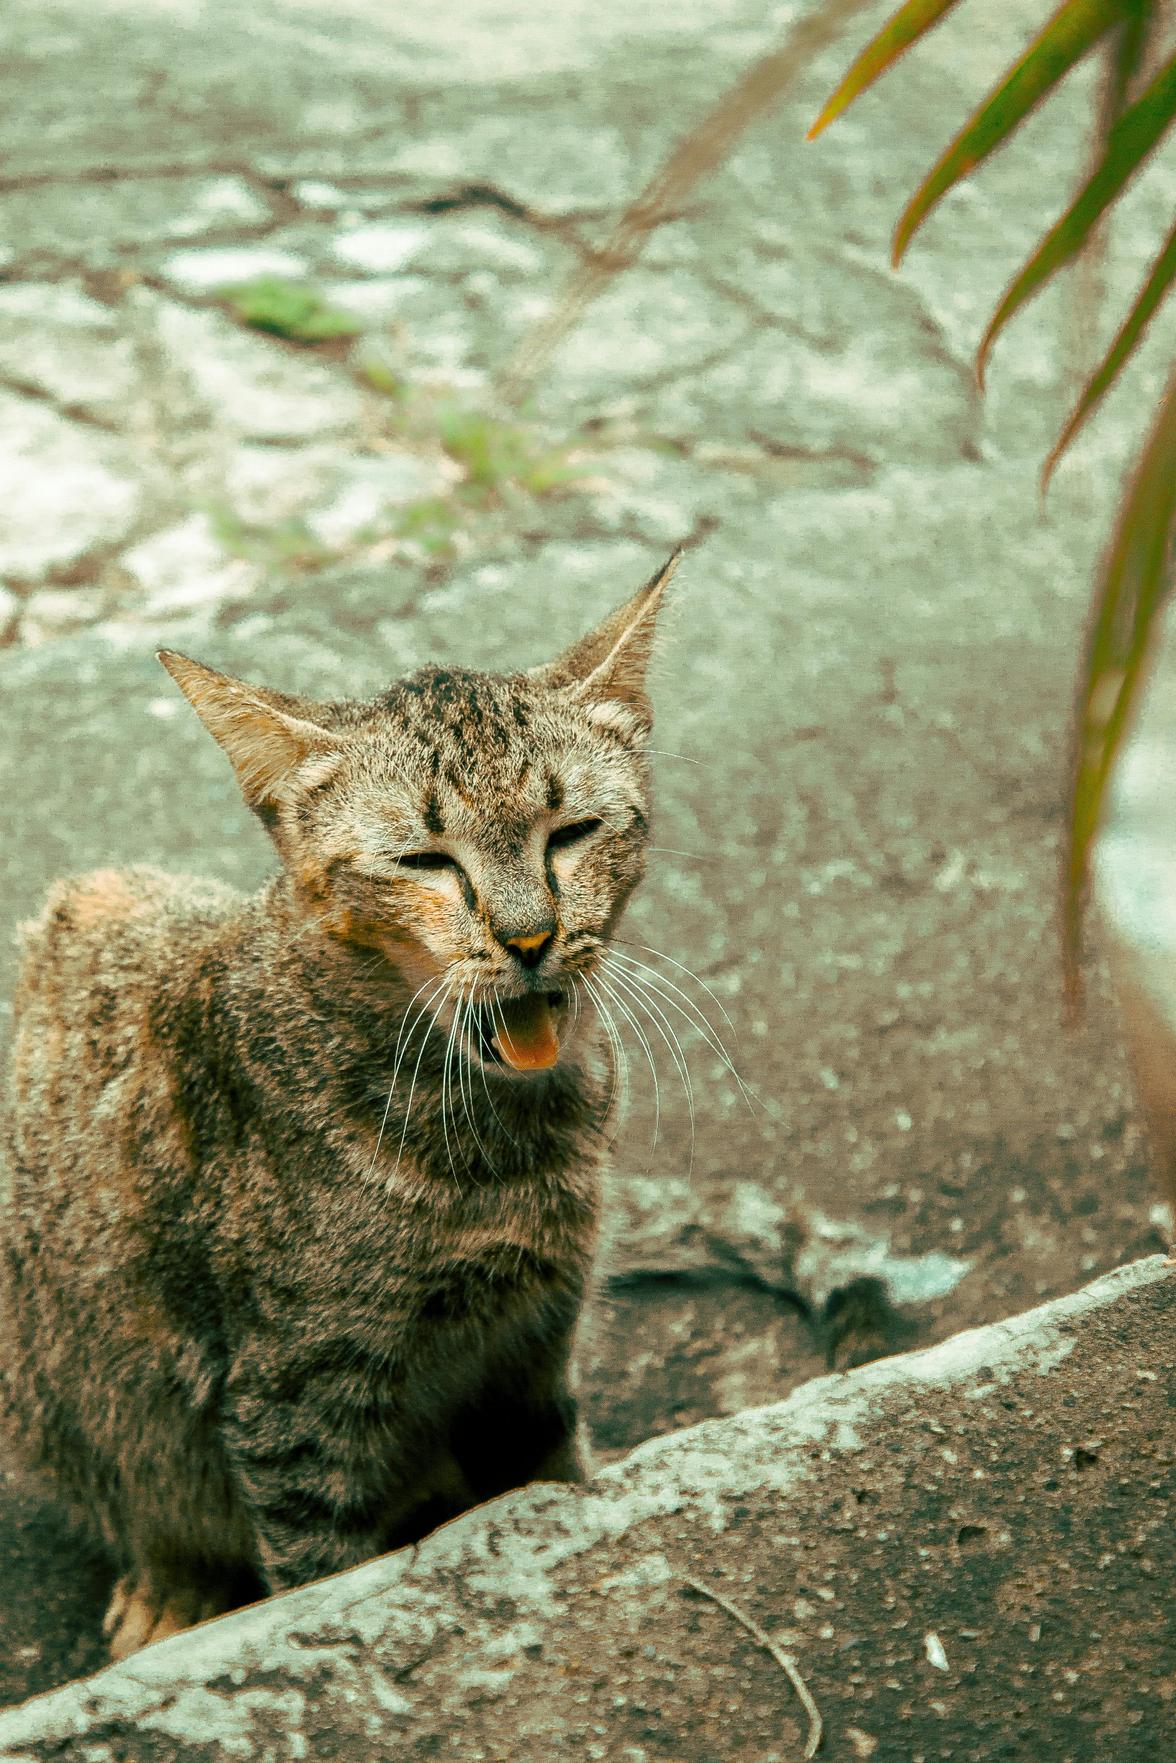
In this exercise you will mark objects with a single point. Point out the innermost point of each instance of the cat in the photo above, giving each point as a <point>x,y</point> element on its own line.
<point>303,1189</point>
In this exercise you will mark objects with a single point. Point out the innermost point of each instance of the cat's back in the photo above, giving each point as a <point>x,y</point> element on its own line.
<point>104,941</point>
<point>94,960</point>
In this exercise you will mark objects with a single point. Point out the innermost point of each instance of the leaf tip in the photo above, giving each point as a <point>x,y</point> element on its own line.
<point>904,232</point>
<point>982,354</point>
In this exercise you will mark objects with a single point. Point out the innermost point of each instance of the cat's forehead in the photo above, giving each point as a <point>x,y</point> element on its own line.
<point>469,712</point>
<point>482,744</point>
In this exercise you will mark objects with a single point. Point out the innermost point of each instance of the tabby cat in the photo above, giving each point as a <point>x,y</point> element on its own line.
<point>302,1189</point>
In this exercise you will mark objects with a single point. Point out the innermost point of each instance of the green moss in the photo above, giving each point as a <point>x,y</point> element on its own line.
<point>287,543</point>
<point>290,309</point>
<point>495,454</point>
<point>432,526</point>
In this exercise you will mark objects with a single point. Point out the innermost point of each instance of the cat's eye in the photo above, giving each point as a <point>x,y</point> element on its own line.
<point>426,860</point>
<point>572,833</point>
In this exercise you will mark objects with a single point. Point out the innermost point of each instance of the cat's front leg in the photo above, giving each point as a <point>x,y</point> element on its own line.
<point>329,1479</point>
<point>512,1435</point>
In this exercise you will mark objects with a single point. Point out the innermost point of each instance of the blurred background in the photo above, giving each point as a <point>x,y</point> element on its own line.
<point>263,273</point>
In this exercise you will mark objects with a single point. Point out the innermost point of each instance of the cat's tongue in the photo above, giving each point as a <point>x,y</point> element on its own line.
<point>525,1034</point>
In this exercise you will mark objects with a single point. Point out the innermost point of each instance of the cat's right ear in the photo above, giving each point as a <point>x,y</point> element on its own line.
<point>267,740</point>
<point>607,668</point>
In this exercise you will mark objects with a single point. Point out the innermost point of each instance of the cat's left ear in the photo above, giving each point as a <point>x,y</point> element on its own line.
<point>608,667</point>
<point>269,738</point>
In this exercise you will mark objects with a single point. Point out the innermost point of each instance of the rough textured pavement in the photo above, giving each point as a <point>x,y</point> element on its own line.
<point>863,703</point>
<point>1032,1461</point>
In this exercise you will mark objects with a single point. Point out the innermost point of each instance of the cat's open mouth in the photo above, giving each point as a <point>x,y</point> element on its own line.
<point>520,1033</point>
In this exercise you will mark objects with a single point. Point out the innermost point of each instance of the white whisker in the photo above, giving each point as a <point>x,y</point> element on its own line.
<point>446,1087</point>
<point>466,1082</point>
<point>665,1028</point>
<point>434,980</point>
<point>617,1046</point>
<point>646,1049</point>
<point>664,753</point>
<point>682,968</point>
<point>489,1098</point>
<point>416,1069</point>
<point>670,993</point>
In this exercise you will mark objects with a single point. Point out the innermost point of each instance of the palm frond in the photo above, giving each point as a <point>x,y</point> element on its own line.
<point>1125,52</point>
<point>1157,285</point>
<point>1129,46</point>
<point>1137,133</point>
<point>909,23</point>
<point>707,145</point>
<point>1134,582</point>
<point>1074,29</point>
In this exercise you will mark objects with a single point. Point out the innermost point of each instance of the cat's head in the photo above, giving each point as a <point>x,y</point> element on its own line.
<point>480,832</point>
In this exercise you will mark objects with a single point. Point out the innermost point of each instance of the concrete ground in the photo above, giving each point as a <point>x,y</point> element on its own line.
<point>864,704</point>
<point>959,1553</point>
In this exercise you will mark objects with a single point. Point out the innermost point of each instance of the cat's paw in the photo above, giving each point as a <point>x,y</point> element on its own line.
<point>140,1612</point>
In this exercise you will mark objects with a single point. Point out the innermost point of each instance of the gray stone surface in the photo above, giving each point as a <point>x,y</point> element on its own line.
<point>58,341</point>
<point>93,221</point>
<point>964,1551</point>
<point>865,688</point>
<point>67,490</point>
<point>247,385</point>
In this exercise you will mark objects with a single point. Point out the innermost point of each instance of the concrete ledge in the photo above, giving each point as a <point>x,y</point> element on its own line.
<point>968,1547</point>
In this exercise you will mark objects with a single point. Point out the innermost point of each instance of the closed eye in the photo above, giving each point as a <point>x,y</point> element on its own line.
<point>426,860</point>
<point>572,833</point>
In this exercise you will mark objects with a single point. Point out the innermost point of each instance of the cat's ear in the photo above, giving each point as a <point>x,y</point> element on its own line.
<point>268,736</point>
<point>609,665</point>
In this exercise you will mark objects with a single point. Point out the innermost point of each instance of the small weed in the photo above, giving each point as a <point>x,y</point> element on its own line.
<point>496,454</point>
<point>373,364</point>
<point>432,526</point>
<point>288,543</point>
<point>290,309</point>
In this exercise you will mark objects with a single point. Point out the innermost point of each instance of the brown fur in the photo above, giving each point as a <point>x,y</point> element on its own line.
<point>274,1297</point>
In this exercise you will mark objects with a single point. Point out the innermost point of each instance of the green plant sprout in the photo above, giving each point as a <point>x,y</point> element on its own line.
<point>295,310</point>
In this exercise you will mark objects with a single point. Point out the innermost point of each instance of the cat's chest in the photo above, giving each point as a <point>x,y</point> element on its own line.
<point>466,1259</point>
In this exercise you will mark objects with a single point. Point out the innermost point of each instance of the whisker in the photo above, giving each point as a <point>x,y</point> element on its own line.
<point>435,980</point>
<point>416,1069</point>
<point>619,1055</point>
<point>489,1098</point>
<point>666,989</point>
<point>665,1029</point>
<point>405,1028</point>
<point>446,1083</point>
<point>682,968</point>
<point>466,1085</point>
<point>689,1011</point>
<point>672,851</point>
<point>646,1049</point>
<point>664,753</point>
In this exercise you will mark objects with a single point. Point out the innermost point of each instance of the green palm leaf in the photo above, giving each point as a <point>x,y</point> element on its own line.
<point>1154,289</point>
<point>1138,131</point>
<point>1128,50</point>
<point>909,23</point>
<point>1129,596</point>
<point>1074,28</point>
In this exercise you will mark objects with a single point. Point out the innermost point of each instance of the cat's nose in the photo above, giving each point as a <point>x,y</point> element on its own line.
<point>530,950</point>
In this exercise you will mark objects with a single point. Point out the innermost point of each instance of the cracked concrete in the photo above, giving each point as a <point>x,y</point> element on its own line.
<point>567,1621</point>
<point>862,704</point>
